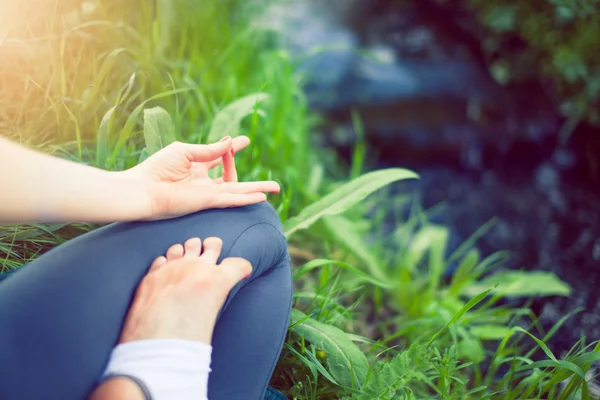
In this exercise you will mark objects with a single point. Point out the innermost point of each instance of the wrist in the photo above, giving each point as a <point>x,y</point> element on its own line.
<point>118,388</point>
<point>166,368</point>
<point>134,198</point>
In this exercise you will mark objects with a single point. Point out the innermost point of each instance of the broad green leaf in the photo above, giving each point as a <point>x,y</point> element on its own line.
<point>471,349</point>
<point>490,332</point>
<point>522,284</point>
<point>344,230</point>
<point>345,361</point>
<point>345,197</point>
<point>227,121</point>
<point>159,131</point>
<point>132,120</point>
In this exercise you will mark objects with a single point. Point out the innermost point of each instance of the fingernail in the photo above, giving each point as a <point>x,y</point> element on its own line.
<point>224,139</point>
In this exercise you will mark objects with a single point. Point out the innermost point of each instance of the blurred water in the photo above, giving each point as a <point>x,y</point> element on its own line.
<point>427,103</point>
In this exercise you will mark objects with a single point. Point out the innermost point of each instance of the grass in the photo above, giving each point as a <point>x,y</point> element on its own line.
<point>381,319</point>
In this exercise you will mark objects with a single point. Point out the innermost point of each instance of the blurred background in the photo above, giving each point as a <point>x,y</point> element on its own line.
<point>477,280</point>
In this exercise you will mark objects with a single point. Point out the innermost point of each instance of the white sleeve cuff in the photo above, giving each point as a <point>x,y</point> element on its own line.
<point>171,369</point>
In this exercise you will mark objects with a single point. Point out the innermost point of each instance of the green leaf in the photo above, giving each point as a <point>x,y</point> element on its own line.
<point>522,284</point>
<point>570,64</point>
<point>560,364</point>
<point>472,303</point>
<point>345,361</point>
<point>501,18</point>
<point>464,271</point>
<point>143,155</point>
<point>345,197</point>
<point>132,120</point>
<point>490,332</point>
<point>313,264</point>
<point>432,238</point>
<point>346,233</point>
<point>470,243</point>
<point>159,131</point>
<point>227,121</point>
<point>103,138</point>
<point>471,349</point>
<point>540,343</point>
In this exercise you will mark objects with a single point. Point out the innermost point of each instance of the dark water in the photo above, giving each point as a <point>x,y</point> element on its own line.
<point>427,102</point>
<point>505,164</point>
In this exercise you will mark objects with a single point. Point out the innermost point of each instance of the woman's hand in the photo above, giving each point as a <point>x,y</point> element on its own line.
<point>177,181</point>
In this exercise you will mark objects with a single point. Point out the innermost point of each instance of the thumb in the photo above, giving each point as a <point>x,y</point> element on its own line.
<point>207,152</point>
<point>235,269</point>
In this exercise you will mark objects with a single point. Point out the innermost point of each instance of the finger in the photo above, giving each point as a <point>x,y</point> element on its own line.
<point>212,249</point>
<point>218,181</point>
<point>239,143</point>
<point>205,152</point>
<point>250,187</point>
<point>226,200</point>
<point>157,263</point>
<point>235,269</point>
<point>229,171</point>
<point>192,247</point>
<point>175,252</point>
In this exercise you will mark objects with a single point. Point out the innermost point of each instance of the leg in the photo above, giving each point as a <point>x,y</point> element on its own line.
<point>61,315</point>
<point>244,354</point>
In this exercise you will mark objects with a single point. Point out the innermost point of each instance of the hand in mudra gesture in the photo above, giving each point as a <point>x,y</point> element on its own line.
<point>177,179</point>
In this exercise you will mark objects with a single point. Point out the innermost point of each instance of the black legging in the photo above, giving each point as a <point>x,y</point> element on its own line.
<point>61,315</point>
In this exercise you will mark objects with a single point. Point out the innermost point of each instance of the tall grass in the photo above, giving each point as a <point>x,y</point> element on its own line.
<point>383,319</point>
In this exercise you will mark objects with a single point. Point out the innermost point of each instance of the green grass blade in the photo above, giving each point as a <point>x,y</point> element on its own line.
<point>313,264</point>
<point>102,144</point>
<point>470,304</point>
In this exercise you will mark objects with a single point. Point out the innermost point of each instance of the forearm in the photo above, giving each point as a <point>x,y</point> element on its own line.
<point>117,389</point>
<point>39,187</point>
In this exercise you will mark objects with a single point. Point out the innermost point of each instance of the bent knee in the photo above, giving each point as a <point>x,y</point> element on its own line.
<point>263,244</point>
<point>263,213</point>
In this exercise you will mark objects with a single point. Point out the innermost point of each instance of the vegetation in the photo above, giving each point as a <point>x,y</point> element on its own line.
<point>398,318</point>
<point>555,39</point>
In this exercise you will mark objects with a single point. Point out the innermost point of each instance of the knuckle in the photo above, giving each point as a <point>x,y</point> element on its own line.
<point>176,146</point>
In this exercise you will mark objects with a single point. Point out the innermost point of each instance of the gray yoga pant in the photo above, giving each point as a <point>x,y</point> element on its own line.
<point>61,315</point>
